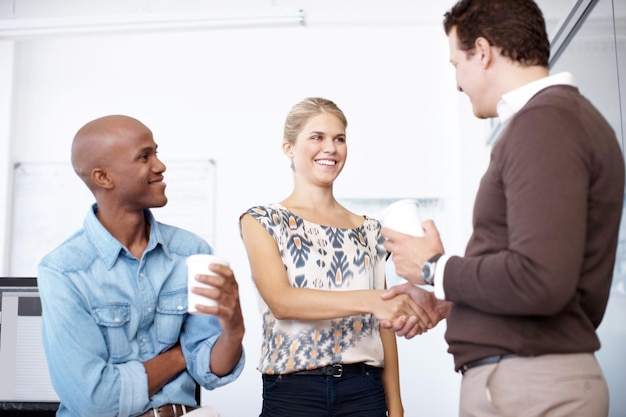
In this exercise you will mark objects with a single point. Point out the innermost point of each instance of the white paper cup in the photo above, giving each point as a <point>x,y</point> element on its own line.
<point>199,265</point>
<point>403,216</point>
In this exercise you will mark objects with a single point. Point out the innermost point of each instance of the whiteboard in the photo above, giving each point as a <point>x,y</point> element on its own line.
<point>50,203</point>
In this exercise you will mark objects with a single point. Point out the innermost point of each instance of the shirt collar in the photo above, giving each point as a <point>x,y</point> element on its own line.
<point>110,248</point>
<point>513,101</point>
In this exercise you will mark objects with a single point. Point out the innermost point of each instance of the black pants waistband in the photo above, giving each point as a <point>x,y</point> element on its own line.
<point>485,361</point>
<point>338,369</point>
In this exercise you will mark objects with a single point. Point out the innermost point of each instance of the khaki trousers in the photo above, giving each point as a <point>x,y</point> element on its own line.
<point>567,385</point>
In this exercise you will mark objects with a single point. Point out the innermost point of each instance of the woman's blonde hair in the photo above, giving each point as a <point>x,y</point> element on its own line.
<point>304,110</point>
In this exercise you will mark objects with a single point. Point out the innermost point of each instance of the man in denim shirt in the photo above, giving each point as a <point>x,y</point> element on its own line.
<point>116,332</point>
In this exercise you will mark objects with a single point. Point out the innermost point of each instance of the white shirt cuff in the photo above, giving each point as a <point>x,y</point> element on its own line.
<point>439,269</point>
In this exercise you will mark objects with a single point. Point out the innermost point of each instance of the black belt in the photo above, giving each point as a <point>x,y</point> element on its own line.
<point>337,370</point>
<point>485,361</point>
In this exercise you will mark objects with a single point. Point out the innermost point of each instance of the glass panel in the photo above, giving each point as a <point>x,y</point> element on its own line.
<point>619,8</point>
<point>596,57</point>
<point>591,57</point>
<point>554,12</point>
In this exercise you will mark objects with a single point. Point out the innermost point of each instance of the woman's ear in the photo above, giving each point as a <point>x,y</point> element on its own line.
<point>288,149</point>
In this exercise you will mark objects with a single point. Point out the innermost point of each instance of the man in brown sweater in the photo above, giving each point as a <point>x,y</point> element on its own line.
<point>532,288</point>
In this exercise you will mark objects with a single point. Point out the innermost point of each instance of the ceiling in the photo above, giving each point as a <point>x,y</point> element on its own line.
<point>317,11</point>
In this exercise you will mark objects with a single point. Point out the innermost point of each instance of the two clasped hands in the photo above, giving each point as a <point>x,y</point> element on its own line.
<point>409,254</point>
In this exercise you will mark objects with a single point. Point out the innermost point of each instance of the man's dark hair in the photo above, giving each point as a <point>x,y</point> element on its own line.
<point>517,27</point>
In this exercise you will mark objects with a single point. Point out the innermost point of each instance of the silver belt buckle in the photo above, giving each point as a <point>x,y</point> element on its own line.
<point>338,370</point>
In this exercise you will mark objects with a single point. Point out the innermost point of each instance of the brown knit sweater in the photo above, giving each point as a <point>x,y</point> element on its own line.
<point>538,267</point>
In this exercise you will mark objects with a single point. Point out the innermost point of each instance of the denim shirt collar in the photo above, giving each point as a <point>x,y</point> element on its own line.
<point>109,248</point>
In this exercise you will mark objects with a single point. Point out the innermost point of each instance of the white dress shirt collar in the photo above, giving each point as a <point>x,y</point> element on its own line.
<point>513,101</point>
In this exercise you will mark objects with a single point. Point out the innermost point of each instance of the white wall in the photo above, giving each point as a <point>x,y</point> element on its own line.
<point>224,95</point>
<point>6,86</point>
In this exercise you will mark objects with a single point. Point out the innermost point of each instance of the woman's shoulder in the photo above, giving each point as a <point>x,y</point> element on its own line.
<point>263,209</point>
<point>370,220</point>
<point>371,225</point>
<point>270,212</point>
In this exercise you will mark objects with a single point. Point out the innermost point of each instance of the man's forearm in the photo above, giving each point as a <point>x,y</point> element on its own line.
<point>163,367</point>
<point>226,353</point>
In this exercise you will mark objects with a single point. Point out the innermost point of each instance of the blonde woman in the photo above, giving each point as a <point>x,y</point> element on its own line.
<point>319,270</point>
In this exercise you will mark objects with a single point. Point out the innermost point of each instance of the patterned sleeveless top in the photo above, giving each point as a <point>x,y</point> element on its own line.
<point>323,258</point>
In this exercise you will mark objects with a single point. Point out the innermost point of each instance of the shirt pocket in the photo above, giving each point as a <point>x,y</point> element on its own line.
<point>113,319</point>
<point>171,310</point>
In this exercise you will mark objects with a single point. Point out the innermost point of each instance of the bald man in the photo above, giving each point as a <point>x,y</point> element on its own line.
<point>116,332</point>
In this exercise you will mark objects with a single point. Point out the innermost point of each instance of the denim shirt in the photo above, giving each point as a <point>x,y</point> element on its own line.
<point>106,312</point>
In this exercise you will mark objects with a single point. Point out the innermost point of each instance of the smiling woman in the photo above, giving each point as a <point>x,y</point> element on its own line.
<point>320,272</point>
<point>321,143</point>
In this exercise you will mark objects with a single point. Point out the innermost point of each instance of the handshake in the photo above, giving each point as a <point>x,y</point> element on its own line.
<point>409,310</point>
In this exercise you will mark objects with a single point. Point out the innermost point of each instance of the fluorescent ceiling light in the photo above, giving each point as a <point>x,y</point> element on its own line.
<point>146,21</point>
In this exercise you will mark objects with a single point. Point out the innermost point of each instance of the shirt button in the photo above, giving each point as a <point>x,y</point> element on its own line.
<point>117,319</point>
<point>179,308</point>
<point>149,309</point>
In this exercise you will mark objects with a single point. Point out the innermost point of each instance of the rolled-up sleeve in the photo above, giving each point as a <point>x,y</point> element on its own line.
<point>197,340</point>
